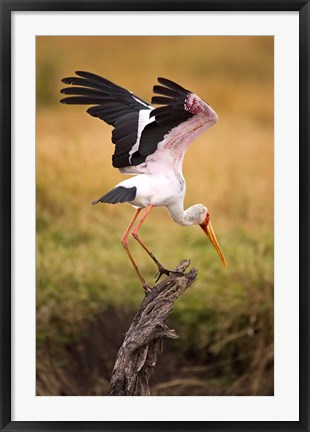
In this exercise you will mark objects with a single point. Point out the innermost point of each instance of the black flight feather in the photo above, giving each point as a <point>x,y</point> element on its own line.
<point>172,110</point>
<point>164,91</point>
<point>162,100</point>
<point>81,91</point>
<point>119,194</point>
<point>171,84</point>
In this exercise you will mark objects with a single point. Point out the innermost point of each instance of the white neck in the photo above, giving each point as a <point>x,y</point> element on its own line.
<point>185,217</point>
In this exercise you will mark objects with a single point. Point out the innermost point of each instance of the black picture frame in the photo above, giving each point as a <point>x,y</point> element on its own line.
<point>7,7</point>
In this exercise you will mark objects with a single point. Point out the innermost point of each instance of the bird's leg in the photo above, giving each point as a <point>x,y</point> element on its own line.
<point>161,269</point>
<point>124,241</point>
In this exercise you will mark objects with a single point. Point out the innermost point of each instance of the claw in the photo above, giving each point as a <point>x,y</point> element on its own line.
<point>147,288</point>
<point>162,270</point>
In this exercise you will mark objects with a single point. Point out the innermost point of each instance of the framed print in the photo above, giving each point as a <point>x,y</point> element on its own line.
<point>82,319</point>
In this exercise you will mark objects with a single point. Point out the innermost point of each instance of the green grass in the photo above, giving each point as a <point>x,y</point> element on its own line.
<point>80,272</point>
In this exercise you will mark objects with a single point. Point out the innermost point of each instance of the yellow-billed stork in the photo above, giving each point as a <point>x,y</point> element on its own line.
<point>150,144</point>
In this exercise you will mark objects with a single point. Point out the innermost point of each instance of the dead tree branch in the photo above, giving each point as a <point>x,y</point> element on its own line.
<point>137,356</point>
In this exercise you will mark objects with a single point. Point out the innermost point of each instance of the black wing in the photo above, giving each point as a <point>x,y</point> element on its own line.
<point>113,104</point>
<point>167,117</point>
<point>174,101</point>
<point>123,110</point>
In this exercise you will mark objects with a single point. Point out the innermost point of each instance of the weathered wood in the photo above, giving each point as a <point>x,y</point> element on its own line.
<point>137,357</point>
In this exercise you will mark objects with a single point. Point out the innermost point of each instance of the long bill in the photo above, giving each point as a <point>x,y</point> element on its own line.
<point>208,229</point>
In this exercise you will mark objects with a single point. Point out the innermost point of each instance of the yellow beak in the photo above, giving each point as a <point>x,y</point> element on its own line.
<point>208,229</point>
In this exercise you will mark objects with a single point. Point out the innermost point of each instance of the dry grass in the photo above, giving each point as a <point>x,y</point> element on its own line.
<point>81,266</point>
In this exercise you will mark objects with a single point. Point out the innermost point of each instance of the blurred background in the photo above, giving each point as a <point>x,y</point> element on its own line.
<point>87,290</point>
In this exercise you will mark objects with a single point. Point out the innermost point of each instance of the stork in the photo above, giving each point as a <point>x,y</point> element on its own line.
<point>150,144</point>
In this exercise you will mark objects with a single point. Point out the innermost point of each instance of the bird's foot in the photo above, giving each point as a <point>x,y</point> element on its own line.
<point>147,288</point>
<point>162,270</point>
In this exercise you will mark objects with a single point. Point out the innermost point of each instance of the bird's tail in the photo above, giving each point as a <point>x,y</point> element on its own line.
<point>119,194</point>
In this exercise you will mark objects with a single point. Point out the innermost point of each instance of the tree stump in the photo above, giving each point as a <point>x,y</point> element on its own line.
<point>137,357</point>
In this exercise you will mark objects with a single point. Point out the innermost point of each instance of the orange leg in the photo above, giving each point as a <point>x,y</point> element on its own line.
<point>136,235</point>
<point>124,241</point>
<point>161,269</point>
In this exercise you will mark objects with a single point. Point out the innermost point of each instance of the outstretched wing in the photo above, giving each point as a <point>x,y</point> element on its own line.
<point>113,104</point>
<point>165,118</point>
<point>140,130</point>
<point>182,118</point>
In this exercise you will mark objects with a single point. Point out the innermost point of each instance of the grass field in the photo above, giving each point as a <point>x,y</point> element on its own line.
<point>85,282</point>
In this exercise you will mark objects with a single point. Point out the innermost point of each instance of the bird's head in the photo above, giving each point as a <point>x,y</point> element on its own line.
<point>204,221</point>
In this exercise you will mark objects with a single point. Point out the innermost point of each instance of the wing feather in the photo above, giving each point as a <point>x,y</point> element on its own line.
<point>139,129</point>
<point>112,104</point>
<point>173,109</point>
